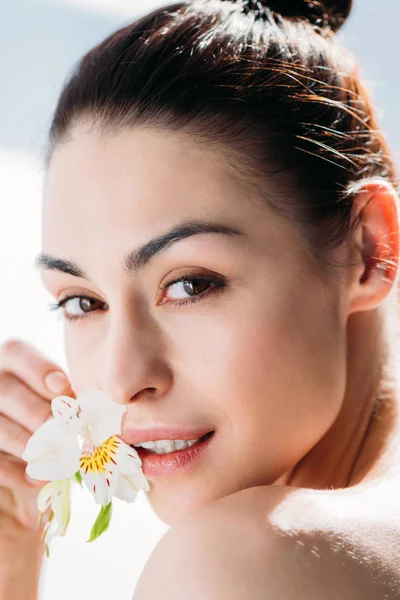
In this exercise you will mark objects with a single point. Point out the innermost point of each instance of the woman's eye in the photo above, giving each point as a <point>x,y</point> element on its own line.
<point>76,307</point>
<point>186,289</point>
<point>195,288</point>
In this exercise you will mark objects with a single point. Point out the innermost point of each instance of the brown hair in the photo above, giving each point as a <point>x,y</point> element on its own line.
<point>266,82</point>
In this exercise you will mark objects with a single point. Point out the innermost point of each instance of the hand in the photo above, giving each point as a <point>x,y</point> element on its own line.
<point>28,382</point>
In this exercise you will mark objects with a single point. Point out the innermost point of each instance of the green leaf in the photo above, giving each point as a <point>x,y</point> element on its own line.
<point>78,477</point>
<point>102,522</point>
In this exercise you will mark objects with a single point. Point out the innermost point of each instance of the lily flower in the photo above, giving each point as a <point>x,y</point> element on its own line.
<point>56,496</point>
<point>82,442</point>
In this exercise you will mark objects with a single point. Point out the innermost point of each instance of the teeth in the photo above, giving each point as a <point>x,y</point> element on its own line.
<point>167,446</point>
<point>147,444</point>
<point>180,444</point>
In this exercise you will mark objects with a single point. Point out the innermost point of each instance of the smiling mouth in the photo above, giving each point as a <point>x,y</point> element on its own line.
<point>206,436</point>
<point>143,452</point>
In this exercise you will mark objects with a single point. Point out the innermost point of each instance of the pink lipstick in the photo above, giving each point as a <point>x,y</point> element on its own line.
<point>155,465</point>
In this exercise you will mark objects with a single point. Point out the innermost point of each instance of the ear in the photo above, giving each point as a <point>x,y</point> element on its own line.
<point>375,245</point>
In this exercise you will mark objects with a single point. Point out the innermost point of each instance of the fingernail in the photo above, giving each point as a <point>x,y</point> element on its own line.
<point>56,381</point>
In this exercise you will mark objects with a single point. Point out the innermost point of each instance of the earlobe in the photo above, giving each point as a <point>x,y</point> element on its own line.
<point>376,245</point>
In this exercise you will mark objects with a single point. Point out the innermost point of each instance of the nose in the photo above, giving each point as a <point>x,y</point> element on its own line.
<point>134,362</point>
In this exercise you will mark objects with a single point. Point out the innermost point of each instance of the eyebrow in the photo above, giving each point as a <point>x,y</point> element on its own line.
<point>137,259</point>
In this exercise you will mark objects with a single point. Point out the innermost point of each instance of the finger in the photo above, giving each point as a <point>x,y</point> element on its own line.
<point>21,404</point>
<point>13,437</point>
<point>12,470</point>
<point>18,466</point>
<point>17,496</point>
<point>34,368</point>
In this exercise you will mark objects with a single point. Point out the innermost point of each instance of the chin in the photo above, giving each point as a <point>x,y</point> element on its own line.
<point>172,501</point>
<point>175,506</point>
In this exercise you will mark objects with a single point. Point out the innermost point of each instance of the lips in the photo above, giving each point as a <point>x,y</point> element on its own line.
<point>146,451</point>
<point>155,465</point>
<point>131,435</point>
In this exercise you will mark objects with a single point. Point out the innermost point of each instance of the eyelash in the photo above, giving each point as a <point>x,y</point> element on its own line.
<point>218,285</point>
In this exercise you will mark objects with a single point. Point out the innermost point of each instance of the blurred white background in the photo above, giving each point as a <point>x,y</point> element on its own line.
<point>39,44</point>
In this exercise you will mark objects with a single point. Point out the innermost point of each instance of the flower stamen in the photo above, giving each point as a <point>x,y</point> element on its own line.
<point>93,460</point>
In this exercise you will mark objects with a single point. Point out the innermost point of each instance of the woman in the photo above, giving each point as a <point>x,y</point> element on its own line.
<point>220,231</point>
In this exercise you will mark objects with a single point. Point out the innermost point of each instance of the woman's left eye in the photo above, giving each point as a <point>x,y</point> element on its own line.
<point>189,283</point>
<point>80,307</point>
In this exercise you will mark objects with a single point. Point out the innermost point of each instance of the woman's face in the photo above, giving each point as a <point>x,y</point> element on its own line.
<point>257,355</point>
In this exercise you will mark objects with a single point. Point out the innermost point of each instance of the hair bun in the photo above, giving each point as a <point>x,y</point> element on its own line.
<point>328,13</point>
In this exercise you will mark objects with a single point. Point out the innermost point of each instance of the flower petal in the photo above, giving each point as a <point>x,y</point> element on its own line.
<point>100,470</point>
<point>100,414</point>
<point>129,485</point>
<point>51,530</point>
<point>47,494</point>
<point>61,506</point>
<point>128,459</point>
<point>141,481</point>
<point>51,454</point>
<point>66,411</point>
<point>126,489</point>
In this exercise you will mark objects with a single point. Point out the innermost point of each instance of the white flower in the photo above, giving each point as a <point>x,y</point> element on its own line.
<point>83,437</point>
<point>55,495</point>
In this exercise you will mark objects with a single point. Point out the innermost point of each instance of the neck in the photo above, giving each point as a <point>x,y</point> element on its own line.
<point>363,442</point>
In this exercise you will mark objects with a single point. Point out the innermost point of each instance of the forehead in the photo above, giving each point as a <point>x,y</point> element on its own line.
<point>134,163</point>
<point>137,183</point>
<point>138,171</point>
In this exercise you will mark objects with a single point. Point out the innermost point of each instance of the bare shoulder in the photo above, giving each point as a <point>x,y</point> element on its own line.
<point>275,542</point>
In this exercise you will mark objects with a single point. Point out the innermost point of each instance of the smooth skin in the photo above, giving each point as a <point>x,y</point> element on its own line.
<point>283,362</point>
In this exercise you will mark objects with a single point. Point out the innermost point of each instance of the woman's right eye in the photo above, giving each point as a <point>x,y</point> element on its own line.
<point>78,306</point>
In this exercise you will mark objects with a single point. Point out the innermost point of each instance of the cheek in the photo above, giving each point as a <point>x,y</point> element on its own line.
<point>279,375</point>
